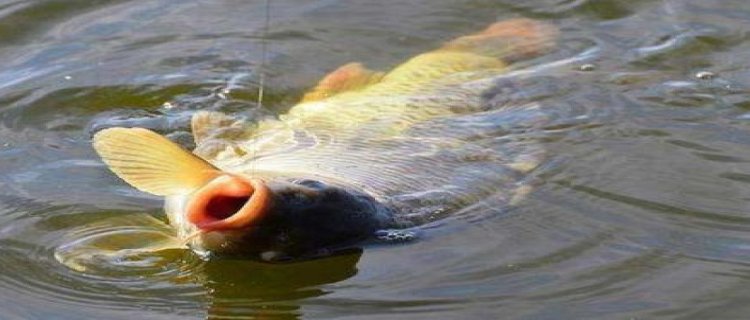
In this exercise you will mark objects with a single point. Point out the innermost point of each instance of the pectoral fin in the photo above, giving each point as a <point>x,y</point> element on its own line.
<point>349,77</point>
<point>152,163</point>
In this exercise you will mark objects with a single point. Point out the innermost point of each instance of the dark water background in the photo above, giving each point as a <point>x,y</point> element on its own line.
<point>640,211</point>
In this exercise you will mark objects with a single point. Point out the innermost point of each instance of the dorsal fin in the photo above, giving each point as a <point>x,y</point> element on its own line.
<point>349,77</point>
<point>152,163</point>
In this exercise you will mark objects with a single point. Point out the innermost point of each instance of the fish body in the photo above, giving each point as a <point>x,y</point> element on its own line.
<point>363,151</point>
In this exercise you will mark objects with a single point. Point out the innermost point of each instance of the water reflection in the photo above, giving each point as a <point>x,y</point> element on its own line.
<point>238,288</point>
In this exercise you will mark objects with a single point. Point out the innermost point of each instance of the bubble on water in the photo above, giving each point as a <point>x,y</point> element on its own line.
<point>587,67</point>
<point>705,75</point>
<point>68,77</point>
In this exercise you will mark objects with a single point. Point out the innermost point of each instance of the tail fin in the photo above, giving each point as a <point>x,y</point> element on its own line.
<point>495,47</point>
<point>509,40</point>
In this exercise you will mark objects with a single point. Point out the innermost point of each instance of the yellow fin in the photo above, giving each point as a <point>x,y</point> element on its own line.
<point>496,47</point>
<point>349,77</point>
<point>509,40</point>
<point>152,163</point>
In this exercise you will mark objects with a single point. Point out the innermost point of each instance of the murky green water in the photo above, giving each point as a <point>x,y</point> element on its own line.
<point>640,210</point>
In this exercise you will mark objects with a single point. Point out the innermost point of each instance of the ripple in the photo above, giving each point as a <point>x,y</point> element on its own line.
<point>28,254</point>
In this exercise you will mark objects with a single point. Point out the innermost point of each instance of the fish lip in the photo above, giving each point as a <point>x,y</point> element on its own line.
<point>256,206</point>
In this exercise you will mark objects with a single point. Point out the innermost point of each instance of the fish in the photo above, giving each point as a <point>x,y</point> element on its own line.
<point>363,152</point>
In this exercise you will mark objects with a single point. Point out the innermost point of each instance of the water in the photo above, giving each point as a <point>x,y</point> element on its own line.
<point>641,209</point>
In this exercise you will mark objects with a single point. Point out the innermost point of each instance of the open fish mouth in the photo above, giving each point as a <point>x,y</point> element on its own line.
<point>229,202</point>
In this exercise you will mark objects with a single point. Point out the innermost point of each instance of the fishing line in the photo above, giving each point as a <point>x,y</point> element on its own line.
<point>263,50</point>
<point>261,68</point>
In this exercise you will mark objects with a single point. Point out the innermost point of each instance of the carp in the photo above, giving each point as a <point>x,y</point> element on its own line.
<point>363,151</point>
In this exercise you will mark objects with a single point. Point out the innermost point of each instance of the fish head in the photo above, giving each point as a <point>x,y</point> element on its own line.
<point>275,219</point>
